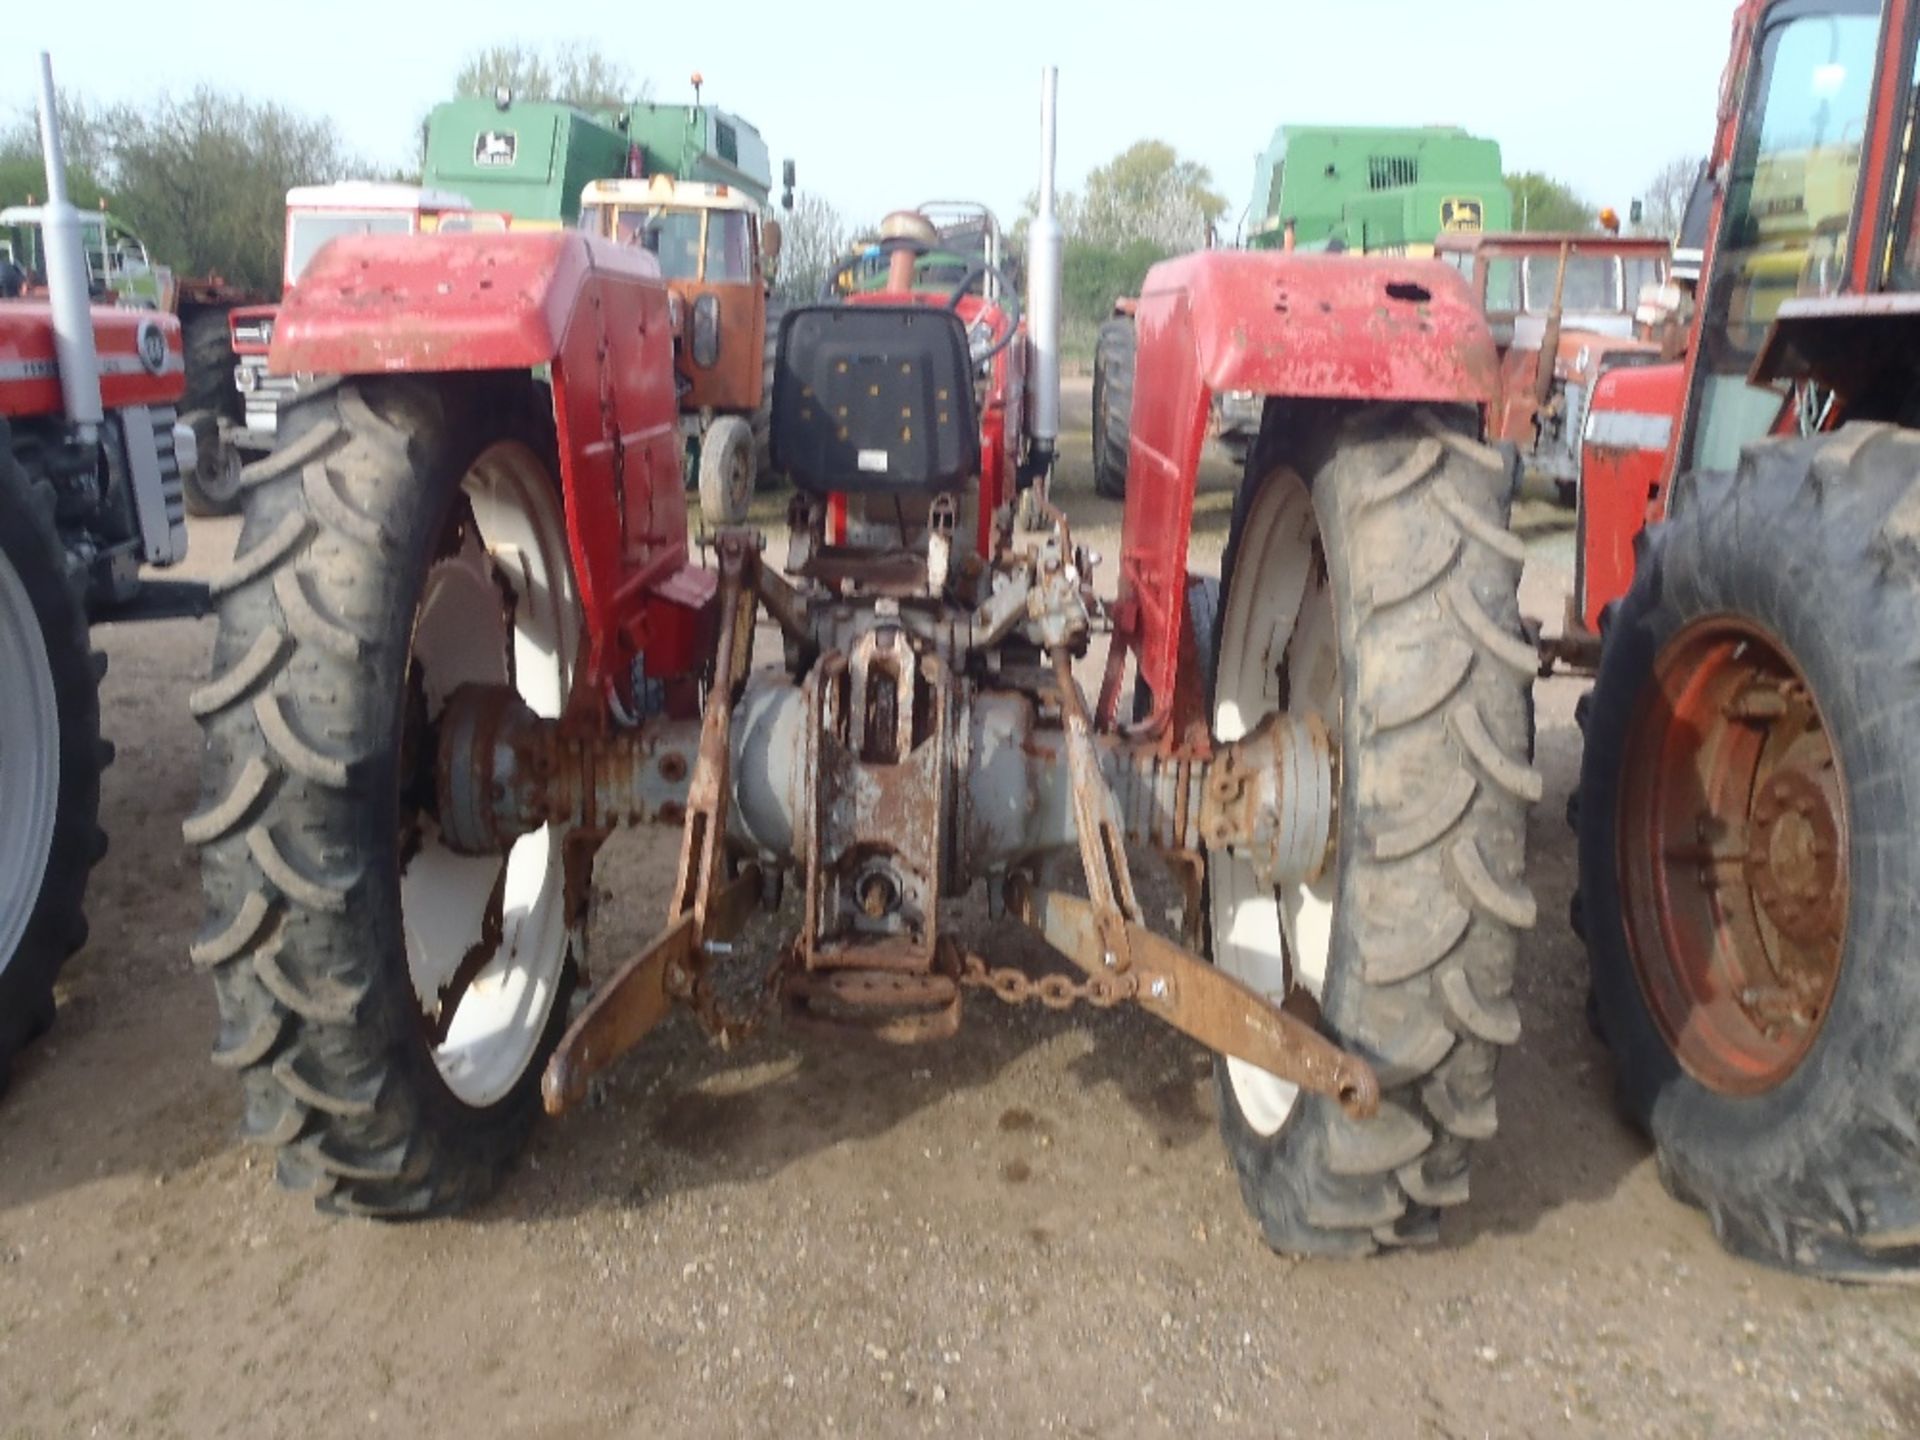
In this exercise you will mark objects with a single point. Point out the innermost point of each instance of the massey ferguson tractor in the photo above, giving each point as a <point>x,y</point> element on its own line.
<point>1749,847</point>
<point>463,636</point>
<point>91,466</point>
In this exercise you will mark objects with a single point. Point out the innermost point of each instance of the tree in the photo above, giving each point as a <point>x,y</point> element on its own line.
<point>1148,193</point>
<point>1543,203</point>
<point>23,175</point>
<point>204,179</point>
<point>574,74</point>
<point>813,237</point>
<point>1668,193</point>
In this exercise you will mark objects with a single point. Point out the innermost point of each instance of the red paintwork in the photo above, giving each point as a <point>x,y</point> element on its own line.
<point>1000,416</point>
<point>26,340</point>
<point>240,315</point>
<point>1865,247</point>
<point>1620,489</point>
<point>1312,327</point>
<point>597,314</point>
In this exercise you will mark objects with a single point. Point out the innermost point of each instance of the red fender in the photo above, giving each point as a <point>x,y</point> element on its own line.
<point>1311,327</point>
<point>598,316</point>
<point>1630,430</point>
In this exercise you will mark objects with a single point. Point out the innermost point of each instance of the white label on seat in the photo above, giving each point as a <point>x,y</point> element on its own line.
<point>873,461</point>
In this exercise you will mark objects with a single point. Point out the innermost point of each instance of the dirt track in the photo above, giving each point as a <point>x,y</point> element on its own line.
<point>1030,1229</point>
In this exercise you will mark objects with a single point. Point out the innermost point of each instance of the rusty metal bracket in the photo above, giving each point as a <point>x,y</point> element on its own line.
<point>1103,840</point>
<point>639,995</point>
<point>1202,1001</point>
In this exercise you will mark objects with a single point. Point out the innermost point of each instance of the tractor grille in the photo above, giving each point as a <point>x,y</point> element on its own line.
<point>1389,172</point>
<point>158,491</point>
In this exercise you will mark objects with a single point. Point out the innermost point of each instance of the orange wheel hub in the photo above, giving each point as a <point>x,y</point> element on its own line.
<point>1733,856</point>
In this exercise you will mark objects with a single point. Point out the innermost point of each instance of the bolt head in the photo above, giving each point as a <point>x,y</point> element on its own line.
<point>1158,989</point>
<point>1110,960</point>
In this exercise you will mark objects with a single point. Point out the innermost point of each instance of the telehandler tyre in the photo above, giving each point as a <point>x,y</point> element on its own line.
<point>1750,856</point>
<point>387,1004</point>
<point>51,756</point>
<point>1376,588</point>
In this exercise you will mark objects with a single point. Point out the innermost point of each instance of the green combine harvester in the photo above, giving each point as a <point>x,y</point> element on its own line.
<point>1375,189</point>
<point>531,159</point>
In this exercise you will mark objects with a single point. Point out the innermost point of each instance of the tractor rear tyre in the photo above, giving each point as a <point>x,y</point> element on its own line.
<point>1113,364</point>
<point>1749,855</point>
<point>51,755</point>
<point>1376,588</point>
<point>726,471</point>
<point>387,1003</point>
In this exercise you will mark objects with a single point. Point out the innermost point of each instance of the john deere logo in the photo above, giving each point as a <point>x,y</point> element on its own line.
<point>1462,215</point>
<point>152,342</point>
<point>495,147</point>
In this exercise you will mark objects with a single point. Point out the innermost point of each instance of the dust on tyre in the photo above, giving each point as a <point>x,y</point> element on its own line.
<point>1748,853</point>
<point>1376,588</point>
<point>50,758</point>
<point>387,1004</point>
<point>1113,366</point>
<point>726,471</point>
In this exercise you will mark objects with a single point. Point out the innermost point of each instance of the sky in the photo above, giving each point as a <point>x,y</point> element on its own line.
<point>1601,96</point>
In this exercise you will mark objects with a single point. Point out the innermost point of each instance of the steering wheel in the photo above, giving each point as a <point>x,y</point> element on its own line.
<point>979,269</point>
<point>830,288</point>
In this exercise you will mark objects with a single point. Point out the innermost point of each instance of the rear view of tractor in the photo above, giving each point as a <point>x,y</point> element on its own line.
<point>91,467</point>
<point>1749,852</point>
<point>464,636</point>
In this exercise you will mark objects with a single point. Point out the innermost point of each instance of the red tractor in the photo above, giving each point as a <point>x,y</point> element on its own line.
<point>463,636</point>
<point>92,460</point>
<point>1749,850</point>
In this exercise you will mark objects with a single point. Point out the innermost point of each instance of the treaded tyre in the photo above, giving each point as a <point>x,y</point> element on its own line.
<point>1113,365</point>
<point>207,343</point>
<point>726,471</point>
<point>763,416</point>
<point>1749,860</point>
<point>51,756</point>
<point>387,1004</point>
<point>1376,588</point>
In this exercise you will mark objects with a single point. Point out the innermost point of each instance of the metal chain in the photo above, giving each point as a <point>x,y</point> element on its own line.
<point>1056,992</point>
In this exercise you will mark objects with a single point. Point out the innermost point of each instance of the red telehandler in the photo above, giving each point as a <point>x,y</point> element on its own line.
<point>464,635</point>
<point>1748,802</point>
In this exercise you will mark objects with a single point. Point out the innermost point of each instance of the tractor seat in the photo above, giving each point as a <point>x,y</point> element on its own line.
<point>875,399</point>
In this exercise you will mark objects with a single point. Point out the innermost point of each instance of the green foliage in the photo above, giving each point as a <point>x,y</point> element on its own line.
<point>813,237</point>
<point>572,74</point>
<point>1542,203</point>
<point>202,179</point>
<point>1148,193</point>
<point>1093,276</point>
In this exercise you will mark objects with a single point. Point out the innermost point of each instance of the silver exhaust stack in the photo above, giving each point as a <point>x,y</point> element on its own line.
<point>67,284</point>
<point>1046,242</point>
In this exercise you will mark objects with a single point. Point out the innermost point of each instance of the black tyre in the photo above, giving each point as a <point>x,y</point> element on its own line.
<point>726,471</point>
<point>1380,589</point>
<point>1113,364</point>
<point>207,345</point>
<point>51,756</point>
<point>387,1004</point>
<point>763,416</point>
<point>1749,860</point>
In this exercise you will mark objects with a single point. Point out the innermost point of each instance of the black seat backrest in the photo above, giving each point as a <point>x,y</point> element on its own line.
<point>874,398</point>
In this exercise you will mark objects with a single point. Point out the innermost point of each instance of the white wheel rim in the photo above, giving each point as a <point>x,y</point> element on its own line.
<point>503,610</point>
<point>29,761</point>
<point>1276,620</point>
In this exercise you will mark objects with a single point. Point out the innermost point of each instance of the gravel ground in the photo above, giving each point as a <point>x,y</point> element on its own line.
<point>1030,1229</point>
